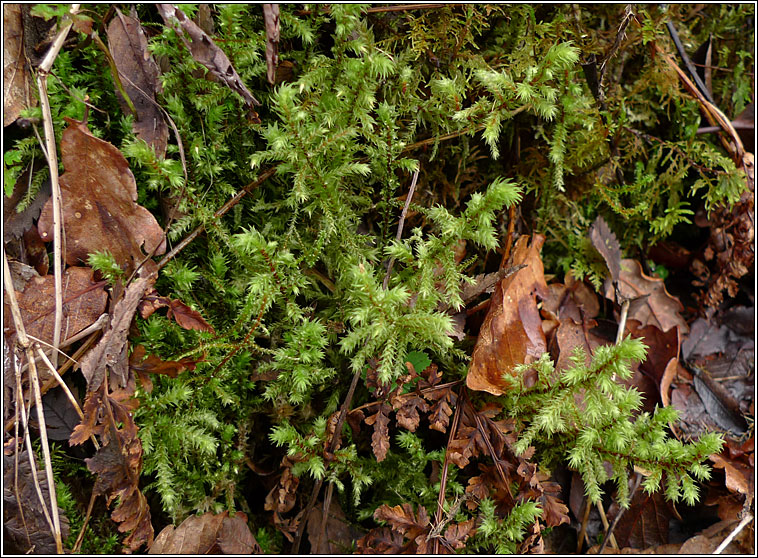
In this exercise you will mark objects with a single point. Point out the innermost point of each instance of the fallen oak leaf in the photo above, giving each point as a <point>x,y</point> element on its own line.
<point>100,207</point>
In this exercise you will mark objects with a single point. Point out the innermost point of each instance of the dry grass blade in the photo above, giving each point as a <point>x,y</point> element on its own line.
<point>34,380</point>
<point>52,160</point>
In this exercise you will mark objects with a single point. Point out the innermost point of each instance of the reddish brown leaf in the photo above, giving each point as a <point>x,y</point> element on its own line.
<point>512,330</point>
<point>207,53</point>
<point>110,352</point>
<point>99,203</point>
<point>658,308</point>
<point>118,464</point>
<point>478,488</point>
<point>140,77</point>
<point>142,366</point>
<point>83,302</point>
<point>555,511</point>
<point>271,18</point>
<point>151,302</point>
<point>380,439</point>
<point>188,318</point>
<point>464,446</point>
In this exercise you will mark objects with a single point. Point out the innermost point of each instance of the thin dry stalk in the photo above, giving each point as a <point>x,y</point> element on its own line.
<point>445,466</point>
<point>80,538</point>
<point>24,342</point>
<point>745,520</point>
<point>52,159</point>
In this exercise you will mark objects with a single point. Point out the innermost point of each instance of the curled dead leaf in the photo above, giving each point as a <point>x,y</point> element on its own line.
<point>512,330</point>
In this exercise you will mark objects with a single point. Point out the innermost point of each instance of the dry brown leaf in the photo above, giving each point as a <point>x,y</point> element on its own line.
<point>99,203</point>
<point>512,330</point>
<point>738,476</point>
<point>380,439</point>
<point>110,351</point>
<point>439,415</point>
<point>381,541</point>
<point>207,534</point>
<point>188,318</point>
<point>339,533</point>
<point>659,308</point>
<point>271,17</point>
<point>25,530</point>
<point>142,366</point>
<point>407,410</point>
<point>457,534</point>
<point>403,520</point>
<point>15,74</point>
<point>118,462</point>
<point>140,76</point>
<point>645,523</point>
<point>207,53</point>
<point>84,301</point>
<point>607,244</point>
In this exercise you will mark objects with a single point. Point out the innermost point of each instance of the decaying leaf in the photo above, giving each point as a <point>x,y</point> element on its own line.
<point>646,523</point>
<point>99,203</point>
<point>140,76</point>
<point>110,352</point>
<point>25,528</point>
<point>607,244</point>
<point>84,301</point>
<point>338,535</point>
<point>207,534</point>
<point>658,308</point>
<point>60,416</point>
<point>380,439</point>
<point>207,53</point>
<point>16,90</point>
<point>118,462</point>
<point>407,410</point>
<point>512,330</point>
<point>439,415</point>
<point>281,499</point>
<point>271,17</point>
